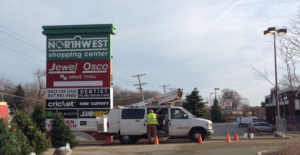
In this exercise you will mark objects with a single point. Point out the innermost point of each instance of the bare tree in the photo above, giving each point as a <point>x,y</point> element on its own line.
<point>126,97</point>
<point>40,75</point>
<point>237,99</point>
<point>285,82</point>
<point>289,53</point>
<point>245,109</point>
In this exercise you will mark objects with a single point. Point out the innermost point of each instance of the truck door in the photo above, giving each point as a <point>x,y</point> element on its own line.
<point>133,122</point>
<point>178,122</point>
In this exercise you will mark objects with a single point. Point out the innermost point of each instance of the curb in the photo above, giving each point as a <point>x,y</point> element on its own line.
<point>261,152</point>
<point>103,142</point>
<point>252,138</point>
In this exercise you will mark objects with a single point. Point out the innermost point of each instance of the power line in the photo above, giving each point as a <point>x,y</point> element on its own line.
<point>19,19</point>
<point>23,41</point>
<point>23,97</point>
<point>171,89</point>
<point>164,86</point>
<point>140,84</point>
<point>22,37</point>
<point>126,98</point>
<point>22,53</point>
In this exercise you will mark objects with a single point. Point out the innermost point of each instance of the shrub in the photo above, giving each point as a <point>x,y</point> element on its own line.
<point>39,117</point>
<point>37,139</point>
<point>62,133</point>
<point>23,142</point>
<point>9,144</point>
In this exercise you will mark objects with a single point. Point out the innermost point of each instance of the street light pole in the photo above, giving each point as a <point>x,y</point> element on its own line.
<point>210,98</point>
<point>216,92</point>
<point>276,85</point>
<point>272,31</point>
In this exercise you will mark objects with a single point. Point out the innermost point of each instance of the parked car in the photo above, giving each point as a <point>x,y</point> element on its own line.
<point>260,127</point>
<point>245,121</point>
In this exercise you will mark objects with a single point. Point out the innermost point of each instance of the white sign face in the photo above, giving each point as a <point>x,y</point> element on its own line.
<point>228,104</point>
<point>63,93</point>
<point>78,93</point>
<point>87,124</point>
<point>73,123</point>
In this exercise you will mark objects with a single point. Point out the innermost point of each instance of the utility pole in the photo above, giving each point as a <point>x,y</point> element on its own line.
<point>164,86</point>
<point>171,89</point>
<point>216,92</point>
<point>2,97</point>
<point>210,99</point>
<point>140,84</point>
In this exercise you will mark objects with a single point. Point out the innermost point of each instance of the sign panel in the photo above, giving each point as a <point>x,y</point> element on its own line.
<point>93,92</point>
<point>78,47</point>
<point>65,113</point>
<point>77,74</point>
<point>61,104</point>
<point>92,113</point>
<point>94,103</point>
<point>78,93</point>
<point>87,124</point>
<point>78,103</point>
<point>73,123</point>
<point>3,110</point>
<point>228,104</point>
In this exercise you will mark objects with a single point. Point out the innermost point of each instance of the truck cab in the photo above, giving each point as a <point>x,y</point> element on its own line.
<point>130,123</point>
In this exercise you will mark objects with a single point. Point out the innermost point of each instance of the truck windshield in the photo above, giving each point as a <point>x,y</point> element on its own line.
<point>187,112</point>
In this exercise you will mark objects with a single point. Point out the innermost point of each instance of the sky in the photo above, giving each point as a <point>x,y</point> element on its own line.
<point>182,43</point>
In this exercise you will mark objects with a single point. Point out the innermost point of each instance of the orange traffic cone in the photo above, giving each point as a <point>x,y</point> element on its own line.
<point>156,141</point>
<point>228,138</point>
<point>236,137</point>
<point>107,140</point>
<point>200,139</point>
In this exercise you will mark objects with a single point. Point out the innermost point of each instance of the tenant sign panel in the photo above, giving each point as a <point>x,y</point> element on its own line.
<point>78,93</point>
<point>228,104</point>
<point>79,42</point>
<point>76,74</point>
<point>78,103</point>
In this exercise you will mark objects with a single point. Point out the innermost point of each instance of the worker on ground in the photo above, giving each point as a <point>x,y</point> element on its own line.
<point>151,124</point>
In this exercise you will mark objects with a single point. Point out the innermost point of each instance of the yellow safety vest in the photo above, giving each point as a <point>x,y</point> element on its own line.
<point>151,119</point>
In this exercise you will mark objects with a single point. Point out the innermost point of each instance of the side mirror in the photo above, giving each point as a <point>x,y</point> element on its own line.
<point>185,116</point>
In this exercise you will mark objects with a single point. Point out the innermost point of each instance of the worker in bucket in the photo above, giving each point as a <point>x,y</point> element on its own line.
<point>151,124</point>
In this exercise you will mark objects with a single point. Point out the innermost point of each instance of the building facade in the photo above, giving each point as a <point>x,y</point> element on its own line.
<point>288,103</point>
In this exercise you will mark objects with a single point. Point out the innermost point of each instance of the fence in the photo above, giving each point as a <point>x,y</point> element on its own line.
<point>292,123</point>
<point>281,125</point>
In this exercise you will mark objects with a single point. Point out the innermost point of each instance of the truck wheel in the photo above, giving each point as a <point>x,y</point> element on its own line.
<point>135,139</point>
<point>194,135</point>
<point>245,125</point>
<point>125,139</point>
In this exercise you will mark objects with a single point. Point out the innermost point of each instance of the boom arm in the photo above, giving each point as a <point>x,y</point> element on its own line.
<point>162,99</point>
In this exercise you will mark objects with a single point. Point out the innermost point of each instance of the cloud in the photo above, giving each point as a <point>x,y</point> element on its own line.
<point>239,2</point>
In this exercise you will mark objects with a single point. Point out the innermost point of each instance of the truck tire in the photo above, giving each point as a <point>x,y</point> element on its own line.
<point>125,139</point>
<point>135,139</point>
<point>245,125</point>
<point>194,135</point>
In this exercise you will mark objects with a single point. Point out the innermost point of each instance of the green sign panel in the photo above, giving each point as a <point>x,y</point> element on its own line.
<point>92,113</point>
<point>79,42</point>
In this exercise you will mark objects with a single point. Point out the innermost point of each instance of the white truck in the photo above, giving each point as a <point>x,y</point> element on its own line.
<point>130,123</point>
<point>245,121</point>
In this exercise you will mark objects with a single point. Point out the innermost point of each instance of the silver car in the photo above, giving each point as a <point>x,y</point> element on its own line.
<point>261,127</point>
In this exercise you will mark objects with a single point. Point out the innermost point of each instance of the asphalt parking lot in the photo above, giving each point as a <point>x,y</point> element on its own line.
<point>221,130</point>
<point>209,147</point>
<point>215,145</point>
